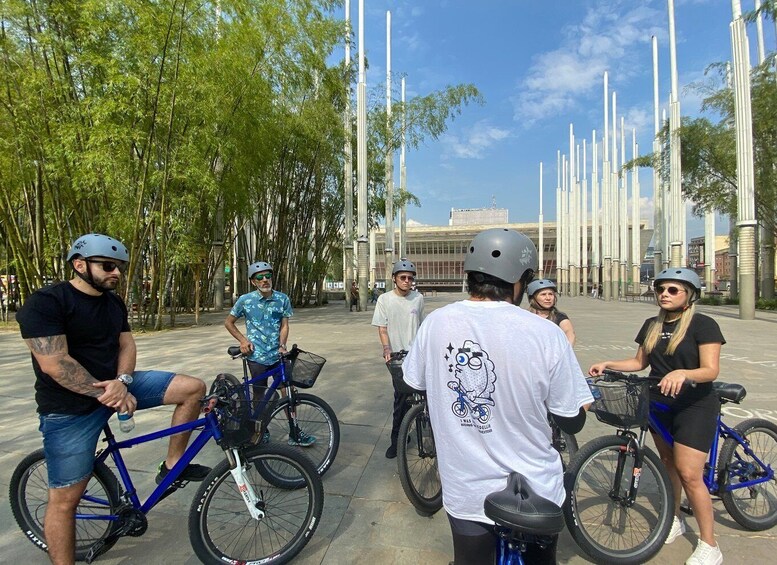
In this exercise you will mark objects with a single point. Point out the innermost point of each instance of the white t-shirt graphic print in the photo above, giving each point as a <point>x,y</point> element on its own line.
<point>492,372</point>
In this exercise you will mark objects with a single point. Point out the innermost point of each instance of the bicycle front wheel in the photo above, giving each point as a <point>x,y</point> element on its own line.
<point>565,444</point>
<point>753,507</point>
<point>29,494</point>
<point>607,526</point>
<point>417,461</point>
<point>315,418</point>
<point>222,530</point>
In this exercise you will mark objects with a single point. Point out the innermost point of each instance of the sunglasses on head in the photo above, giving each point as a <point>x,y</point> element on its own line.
<point>261,277</point>
<point>406,277</point>
<point>108,266</point>
<point>672,290</point>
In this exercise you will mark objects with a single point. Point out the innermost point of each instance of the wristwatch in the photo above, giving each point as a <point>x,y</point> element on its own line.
<point>125,379</point>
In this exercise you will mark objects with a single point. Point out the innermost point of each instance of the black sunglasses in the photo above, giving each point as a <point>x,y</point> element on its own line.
<point>109,266</point>
<point>260,276</point>
<point>672,290</point>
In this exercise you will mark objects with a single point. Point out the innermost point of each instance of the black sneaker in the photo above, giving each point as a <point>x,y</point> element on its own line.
<point>391,452</point>
<point>192,472</point>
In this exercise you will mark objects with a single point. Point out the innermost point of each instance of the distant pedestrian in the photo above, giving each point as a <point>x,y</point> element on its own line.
<point>354,297</point>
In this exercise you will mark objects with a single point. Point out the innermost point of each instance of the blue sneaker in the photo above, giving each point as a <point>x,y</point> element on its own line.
<point>302,439</point>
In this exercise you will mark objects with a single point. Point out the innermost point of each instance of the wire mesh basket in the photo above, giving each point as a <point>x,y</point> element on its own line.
<point>305,367</point>
<point>620,403</point>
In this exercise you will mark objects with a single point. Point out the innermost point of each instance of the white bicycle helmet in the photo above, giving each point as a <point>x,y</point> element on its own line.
<point>502,253</point>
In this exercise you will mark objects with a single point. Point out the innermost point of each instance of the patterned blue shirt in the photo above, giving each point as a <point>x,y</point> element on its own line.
<point>263,322</point>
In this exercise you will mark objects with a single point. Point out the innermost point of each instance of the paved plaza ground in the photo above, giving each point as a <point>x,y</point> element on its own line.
<point>367,518</point>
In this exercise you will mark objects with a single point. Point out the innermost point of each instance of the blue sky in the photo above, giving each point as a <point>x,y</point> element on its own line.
<point>539,67</point>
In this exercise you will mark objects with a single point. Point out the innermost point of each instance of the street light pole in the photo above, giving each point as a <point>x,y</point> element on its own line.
<point>348,166</point>
<point>362,240</point>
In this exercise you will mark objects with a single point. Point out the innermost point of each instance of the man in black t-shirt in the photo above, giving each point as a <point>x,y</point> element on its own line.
<point>83,355</point>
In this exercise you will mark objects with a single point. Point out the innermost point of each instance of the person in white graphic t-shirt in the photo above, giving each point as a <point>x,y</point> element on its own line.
<point>492,372</point>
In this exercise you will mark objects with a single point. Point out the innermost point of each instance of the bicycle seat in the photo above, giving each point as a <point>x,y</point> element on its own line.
<point>521,509</point>
<point>729,392</point>
<point>234,351</point>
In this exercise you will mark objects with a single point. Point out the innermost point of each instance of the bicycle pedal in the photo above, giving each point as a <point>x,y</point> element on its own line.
<point>179,484</point>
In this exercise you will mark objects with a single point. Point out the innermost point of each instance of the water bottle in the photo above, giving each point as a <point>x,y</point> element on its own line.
<point>595,392</point>
<point>126,422</point>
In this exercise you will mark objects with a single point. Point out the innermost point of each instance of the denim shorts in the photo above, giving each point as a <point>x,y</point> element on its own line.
<point>70,440</point>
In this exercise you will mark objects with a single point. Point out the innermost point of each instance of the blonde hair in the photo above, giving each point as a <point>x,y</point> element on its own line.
<point>654,331</point>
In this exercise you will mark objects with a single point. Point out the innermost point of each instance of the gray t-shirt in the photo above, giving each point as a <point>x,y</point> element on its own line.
<point>401,315</point>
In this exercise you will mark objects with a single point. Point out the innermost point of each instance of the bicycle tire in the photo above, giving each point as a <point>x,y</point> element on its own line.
<point>754,508</point>
<point>315,417</point>
<point>606,530</point>
<point>417,464</point>
<point>222,531</point>
<point>28,495</point>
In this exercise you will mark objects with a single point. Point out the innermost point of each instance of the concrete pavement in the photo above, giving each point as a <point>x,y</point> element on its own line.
<point>367,518</point>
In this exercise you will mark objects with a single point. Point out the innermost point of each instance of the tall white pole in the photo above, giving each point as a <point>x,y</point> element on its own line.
<point>677,242</point>
<point>595,239</point>
<point>615,210</point>
<point>658,192</point>
<point>623,198</point>
<point>571,214</point>
<point>348,166</point>
<point>565,225</point>
<point>389,243</point>
<point>403,182</point>
<point>559,238</point>
<point>542,233</point>
<point>745,177</point>
<point>636,257</point>
<point>362,234</point>
<point>668,212</point>
<point>584,210</point>
<point>765,236</point>
<point>606,202</point>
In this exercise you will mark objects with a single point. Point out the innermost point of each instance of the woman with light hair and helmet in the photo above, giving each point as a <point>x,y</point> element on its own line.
<point>680,344</point>
<point>542,301</point>
<point>491,373</point>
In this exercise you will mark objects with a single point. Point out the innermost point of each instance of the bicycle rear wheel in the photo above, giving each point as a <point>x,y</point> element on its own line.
<point>29,494</point>
<point>417,461</point>
<point>314,418</point>
<point>221,529</point>
<point>753,507</point>
<point>604,526</point>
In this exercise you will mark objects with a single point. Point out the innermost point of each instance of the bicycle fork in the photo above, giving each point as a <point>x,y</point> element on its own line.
<point>252,501</point>
<point>627,452</point>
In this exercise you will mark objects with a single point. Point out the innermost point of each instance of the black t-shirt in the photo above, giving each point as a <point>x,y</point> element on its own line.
<point>91,324</point>
<point>702,329</point>
<point>560,317</point>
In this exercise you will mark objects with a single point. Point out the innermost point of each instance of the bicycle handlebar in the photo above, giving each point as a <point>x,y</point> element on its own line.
<point>611,375</point>
<point>234,352</point>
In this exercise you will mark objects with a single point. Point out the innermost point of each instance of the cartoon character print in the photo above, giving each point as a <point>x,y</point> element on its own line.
<point>474,381</point>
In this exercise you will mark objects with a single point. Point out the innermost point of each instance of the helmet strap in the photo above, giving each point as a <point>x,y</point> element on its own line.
<point>88,278</point>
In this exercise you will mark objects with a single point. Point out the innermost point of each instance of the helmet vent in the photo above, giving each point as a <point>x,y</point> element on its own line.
<point>495,253</point>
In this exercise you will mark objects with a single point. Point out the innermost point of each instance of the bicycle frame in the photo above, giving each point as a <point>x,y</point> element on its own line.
<point>710,470</point>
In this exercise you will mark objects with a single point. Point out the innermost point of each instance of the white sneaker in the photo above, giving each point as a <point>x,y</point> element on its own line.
<point>678,529</point>
<point>705,554</point>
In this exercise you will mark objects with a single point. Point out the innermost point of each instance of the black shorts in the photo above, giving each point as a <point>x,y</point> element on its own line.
<point>692,423</point>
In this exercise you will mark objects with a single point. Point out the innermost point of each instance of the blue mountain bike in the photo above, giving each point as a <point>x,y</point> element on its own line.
<point>621,505</point>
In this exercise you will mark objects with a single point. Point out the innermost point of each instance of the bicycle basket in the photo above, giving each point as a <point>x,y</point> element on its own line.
<point>305,367</point>
<point>239,418</point>
<point>623,404</point>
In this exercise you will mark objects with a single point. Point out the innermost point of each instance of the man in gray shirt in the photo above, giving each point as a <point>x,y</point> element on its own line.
<point>397,316</point>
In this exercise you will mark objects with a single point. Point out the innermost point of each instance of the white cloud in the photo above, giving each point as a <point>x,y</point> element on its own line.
<point>474,143</point>
<point>606,39</point>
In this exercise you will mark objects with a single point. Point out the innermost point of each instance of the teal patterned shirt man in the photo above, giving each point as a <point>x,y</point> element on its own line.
<point>266,312</point>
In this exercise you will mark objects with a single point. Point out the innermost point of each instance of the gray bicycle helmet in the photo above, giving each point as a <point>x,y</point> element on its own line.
<point>539,284</point>
<point>403,265</point>
<point>502,253</point>
<point>681,274</point>
<point>258,267</point>
<point>98,245</point>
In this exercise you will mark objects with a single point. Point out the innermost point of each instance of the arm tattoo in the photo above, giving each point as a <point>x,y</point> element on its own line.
<point>49,345</point>
<point>73,376</point>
